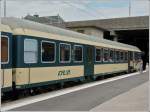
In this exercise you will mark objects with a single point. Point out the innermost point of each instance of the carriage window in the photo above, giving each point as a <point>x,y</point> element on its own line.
<point>30,51</point>
<point>137,56</point>
<point>78,52</point>
<point>126,56</point>
<point>98,54</point>
<point>106,55</point>
<point>65,53</point>
<point>117,56</point>
<point>131,55</point>
<point>111,56</point>
<point>121,56</point>
<point>48,51</point>
<point>4,49</point>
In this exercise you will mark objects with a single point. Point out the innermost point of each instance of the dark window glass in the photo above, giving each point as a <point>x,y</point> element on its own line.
<point>111,56</point>
<point>48,52</point>
<point>131,55</point>
<point>121,56</point>
<point>106,55</point>
<point>4,49</point>
<point>78,51</point>
<point>126,56</point>
<point>137,56</point>
<point>64,52</point>
<point>140,55</point>
<point>98,55</point>
<point>117,56</point>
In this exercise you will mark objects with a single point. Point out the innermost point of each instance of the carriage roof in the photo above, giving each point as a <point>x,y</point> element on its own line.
<point>22,25</point>
<point>5,28</point>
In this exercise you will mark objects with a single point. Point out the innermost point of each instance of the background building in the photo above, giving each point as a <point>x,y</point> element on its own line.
<point>89,30</point>
<point>48,20</point>
<point>59,22</point>
<point>129,30</point>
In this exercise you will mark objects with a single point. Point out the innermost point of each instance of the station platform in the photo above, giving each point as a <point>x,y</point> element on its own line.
<point>134,100</point>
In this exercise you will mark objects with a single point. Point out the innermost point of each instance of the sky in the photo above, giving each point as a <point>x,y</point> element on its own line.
<point>76,10</point>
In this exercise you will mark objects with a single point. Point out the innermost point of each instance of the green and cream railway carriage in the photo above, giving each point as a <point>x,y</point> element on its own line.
<point>35,55</point>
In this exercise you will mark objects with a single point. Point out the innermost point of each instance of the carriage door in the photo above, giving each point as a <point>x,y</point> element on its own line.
<point>89,63</point>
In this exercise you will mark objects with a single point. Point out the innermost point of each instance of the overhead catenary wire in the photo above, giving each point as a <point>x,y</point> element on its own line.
<point>83,10</point>
<point>97,11</point>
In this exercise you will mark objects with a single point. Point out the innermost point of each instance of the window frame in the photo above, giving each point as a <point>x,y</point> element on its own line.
<point>24,51</point>
<point>5,36</point>
<point>101,54</point>
<point>74,53</point>
<point>52,42</point>
<point>70,53</point>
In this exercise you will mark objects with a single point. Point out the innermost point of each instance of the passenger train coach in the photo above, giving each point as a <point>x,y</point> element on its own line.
<point>35,55</point>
